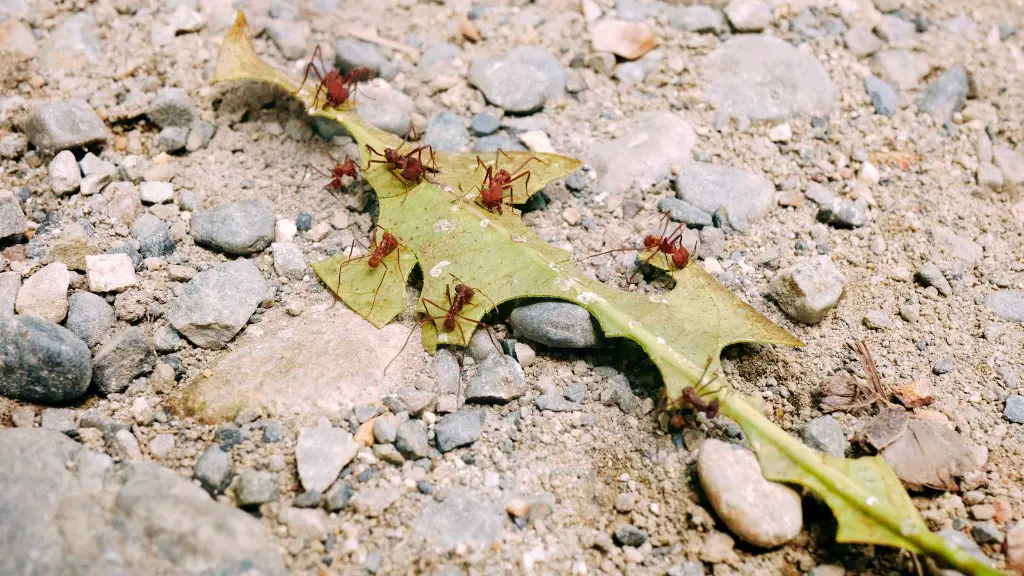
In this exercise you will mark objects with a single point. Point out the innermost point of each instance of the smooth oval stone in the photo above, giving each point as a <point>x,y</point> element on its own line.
<point>41,361</point>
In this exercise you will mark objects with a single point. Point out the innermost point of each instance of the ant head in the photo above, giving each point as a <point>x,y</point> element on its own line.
<point>651,241</point>
<point>464,291</point>
<point>712,410</point>
<point>373,261</point>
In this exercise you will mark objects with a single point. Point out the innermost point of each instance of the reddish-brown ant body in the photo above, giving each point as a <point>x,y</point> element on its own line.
<point>379,250</point>
<point>336,87</point>
<point>456,304</point>
<point>670,245</point>
<point>340,170</point>
<point>497,180</point>
<point>408,167</point>
<point>691,396</point>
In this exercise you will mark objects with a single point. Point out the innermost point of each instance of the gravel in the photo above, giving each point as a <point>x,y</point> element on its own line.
<point>65,124</point>
<point>861,41</point>
<point>883,97</point>
<point>946,94</point>
<point>556,324</point>
<point>807,291</point>
<point>213,470</point>
<point>321,453</point>
<point>498,380</point>
<point>744,197</point>
<point>930,275</point>
<point>510,83</point>
<point>65,176</point>
<point>825,434</point>
<point>411,440</point>
<point>748,15</point>
<point>121,359</point>
<point>1014,409</point>
<point>698,19</point>
<point>255,488</point>
<point>655,141</point>
<point>386,108</point>
<point>153,235</point>
<point>238,228</point>
<point>216,304</point>
<point>43,362</point>
<point>89,317</point>
<point>12,219</point>
<point>461,428</point>
<point>484,124</point>
<point>351,53</point>
<point>45,293</point>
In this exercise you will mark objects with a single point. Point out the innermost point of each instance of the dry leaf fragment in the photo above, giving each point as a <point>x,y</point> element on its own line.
<point>468,30</point>
<point>630,40</point>
<point>915,394</point>
<point>923,453</point>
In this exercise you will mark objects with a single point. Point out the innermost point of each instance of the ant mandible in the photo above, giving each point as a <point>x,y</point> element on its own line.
<point>379,250</point>
<point>337,87</point>
<point>497,180</point>
<point>341,169</point>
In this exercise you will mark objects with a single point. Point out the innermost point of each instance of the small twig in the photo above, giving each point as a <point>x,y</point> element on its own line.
<point>879,389</point>
<point>370,35</point>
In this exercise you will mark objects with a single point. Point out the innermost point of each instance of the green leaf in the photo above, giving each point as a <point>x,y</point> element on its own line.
<point>455,240</point>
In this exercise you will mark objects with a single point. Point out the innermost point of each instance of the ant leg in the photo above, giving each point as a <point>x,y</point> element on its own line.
<point>645,261</point>
<point>379,284</point>
<point>350,259</point>
<point>608,252</point>
<point>400,350</point>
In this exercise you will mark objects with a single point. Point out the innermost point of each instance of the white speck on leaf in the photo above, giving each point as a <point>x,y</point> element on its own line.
<point>589,298</point>
<point>484,223</point>
<point>871,501</point>
<point>564,282</point>
<point>442,337</point>
<point>444,226</point>
<point>437,270</point>
<point>518,238</point>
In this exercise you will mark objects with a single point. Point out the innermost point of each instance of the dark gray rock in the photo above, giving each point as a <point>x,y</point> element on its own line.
<point>484,124</point>
<point>411,440</point>
<point>213,470</point>
<point>89,317</point>
<point>308,499</point>
<point>351,53</point>
<point>217,303</point>
<point>987,532</point>
<point>825,434</point>
<point>41,361</point>
<point>228,436</point>
<point>171,107</point>
<point>65,124</point>
<point>272,432</point>
<point>883,97</point>
<point>461,428</point>
<point>946,94</point>
<point>1014,409</point>
<point>679,211</point>
<point>463,516</point>
<point>844,214</point>
<point>126,356</point>
<point>765,78</point>
<point>930,275</point>
<point>238,228</point>
<point>339,495</point>
<point>710,187</point>
<point>304,222</point>
<point>79,513</point>
<point>556,403</point>
<point>629,535</point>
<point>510,84</point>
<point>1007,304</point>
<point>255,488</point>
<point>446,132</point>
<point>154,236</point>
<point>556,324</point>
<point>498,380</point>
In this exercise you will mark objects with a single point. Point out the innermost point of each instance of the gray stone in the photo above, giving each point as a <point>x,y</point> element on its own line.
<point>548,66</point>
<point>89,317</point>
<point>483,343</point>
<point>42,362</point>
<point>154,236</point>
<point>765,78</point>
<point>446,371</point>
<point>61,420</point>
<point>156,192</point>
<point>12,219</point>
<point>943,366</point>
<point>484,124</point>
<point>462,517</point>
<point>990,177</point>
<point>411,440</point>
<point>171,107</point>
<point>321,453</point>
<point>213,470</point>
<point>65,124</point>
<point>956,248</point>
<point>987,532</point>
<point>161,445</point>
<point>1014,409</point>
<point>556,324</point>
<point>825,434</point>
<point>461,428</point>
<point>629,535</point>
<point>930,275</point>
<point>696,568</point>
<point>897,32</point>
<point>284,9</point>
<point>510,84</point>
<point>807,291</point>
<point>820,194</point>
<point>437,54</point>
<point>166,339</point>
<point>946,95</point>
<point>255,488</point>
<point>498,380</point>
<point>904,70</point>
<point>760,512</point>
<point>190,200</point>
<point>373,502</point>
<point>749,15</point>
<point>82,514</point>
<point>556,403</point>
<point>877,320</point>
<point>72,46</point>
<point>288,260</point>
<point>418,401</point>
<point>384,430</point>
<point>199,135</point>
<point>10,284</point>
<point>308,499</point>
<point>338,496</point>
<point>217,303</point>
<point>628,73</point>
<point>13,145</point>
<point>861,41</point>
<point>272,432</point>
<point>351,53</point>
<point>679,211</point>
<point>446,132</point>
<point>844,214</point>
<point>1011,164</point>
<point>65,176</point>
<point>238,228</point>
<point>386,108</point>
<point>126,356</point>
<point>883,97</point>
<point>655,141</point>
<point>497,141</point>
<point>289,37</point>
<point>172,138</point>
<point>697,19</point>
<point>710,187</point>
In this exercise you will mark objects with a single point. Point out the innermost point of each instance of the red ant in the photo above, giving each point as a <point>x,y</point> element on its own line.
<point>337,87</point>
<point>671,246</point>
<point>691,396</point>
<point>408,167</point>
<point>497,180</point>
<point>346,168</point>
<point>378,252</point>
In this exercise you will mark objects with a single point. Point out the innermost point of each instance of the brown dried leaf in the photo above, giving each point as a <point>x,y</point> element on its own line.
<point>843,392</point>
<point>630,40</point>
<point>915,394</point>
<point>923,453</point>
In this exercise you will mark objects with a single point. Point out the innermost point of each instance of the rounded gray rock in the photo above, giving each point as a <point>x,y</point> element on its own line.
<point>711,187</point>
<point>385,108</point>
<point>351,53</point>
<point>459,429</point>
<point>41,361</point>
<point>446,132</point>
<point>171,107</point>
<point>542,61</point>
<point>807,291</point>
<point>217,303</point>
<point>883,97</point>
<point>556,324</point>
<point>89,317</point>
<point>65,175</point>
<point>765,78</point>
<point>255,488</point>
<point>411,440</point>
<point>762,513</point>
<point>213,470</point>
<point>154,236</point>
<point>65,124</point>
<point>126,356</point>
<point>510,84</point>
<point>238,228</point>
<point>825,434</point>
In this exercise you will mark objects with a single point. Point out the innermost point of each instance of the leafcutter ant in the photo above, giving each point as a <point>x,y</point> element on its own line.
<point>497,180</point>
<point>379,250</point>
<point>337,87</point>
<point>408,167</point>
<point>671,245</point>
<point>691,396</point>
<point>341,169</point>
